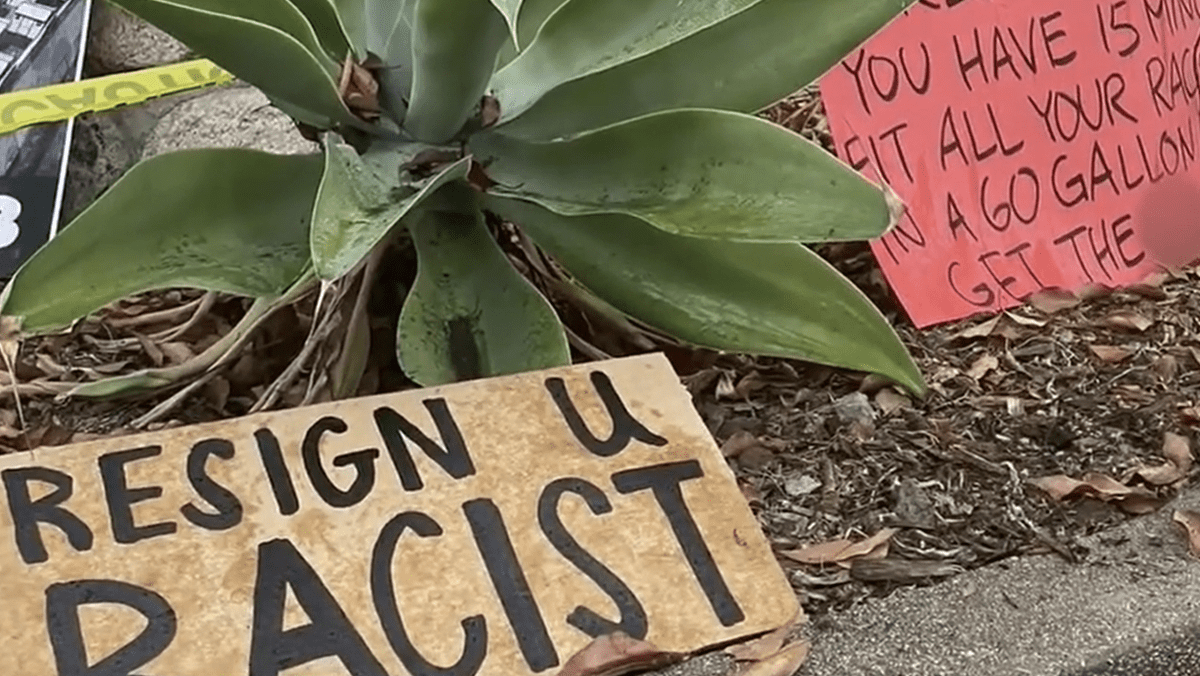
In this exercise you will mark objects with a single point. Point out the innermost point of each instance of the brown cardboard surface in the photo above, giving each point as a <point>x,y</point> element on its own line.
<point>242,583</point>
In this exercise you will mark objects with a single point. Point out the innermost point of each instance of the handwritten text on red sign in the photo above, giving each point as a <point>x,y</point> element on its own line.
<point>1030,139</point>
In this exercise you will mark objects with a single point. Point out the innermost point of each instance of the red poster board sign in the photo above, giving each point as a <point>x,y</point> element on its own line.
<point>1036,143</point>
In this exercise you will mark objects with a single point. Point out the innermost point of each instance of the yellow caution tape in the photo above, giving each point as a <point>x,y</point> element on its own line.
<point>56,103</point>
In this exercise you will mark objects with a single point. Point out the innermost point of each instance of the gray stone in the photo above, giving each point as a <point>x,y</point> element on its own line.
<point>237,116</point>
<point>798,485</point>
<point>854,407</point>
<point>119,41</point>
<point>103,147</point>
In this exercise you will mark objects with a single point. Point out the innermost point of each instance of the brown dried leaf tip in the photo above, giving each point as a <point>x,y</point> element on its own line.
<point>786,662</point>
<point>769,644</point>
<point>1053,299</point>
<point>489,111</point>
<point>1110,354</point>
<point>1190,521</point>
<point>843,552</point>
<point>1131,499</point>
<point>359,89</point>
<point>1177,450</point>
<point>616,654</point>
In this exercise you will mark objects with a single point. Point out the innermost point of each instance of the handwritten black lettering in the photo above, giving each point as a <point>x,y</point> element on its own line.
<point>229,508</point>
<point>633,617</point>
<point>363,462</point>
<point>508,579</point>
<point>120,498</point>
<point>665,482</point>
<point>383,593</point>
<point>625,428</point>
<point>1112,29</point>
<point>328,633</point>
<point>27,513</point>
<point>282,486</point>
<point>63,601</point>
<point>451,455</point>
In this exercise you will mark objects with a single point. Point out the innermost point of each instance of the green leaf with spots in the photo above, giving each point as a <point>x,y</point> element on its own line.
<point>225,219</point>
<point>470,314</point>
<point>776,299</point>
<point>363,197</point>
<point>705,173</point>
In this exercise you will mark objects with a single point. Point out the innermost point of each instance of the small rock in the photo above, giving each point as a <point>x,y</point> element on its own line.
<point>797,486</point>
<point>120,42</point>
<point>855,407</point>
<point>756,458</point>
<point>237,116</point>
<point>914,507</point>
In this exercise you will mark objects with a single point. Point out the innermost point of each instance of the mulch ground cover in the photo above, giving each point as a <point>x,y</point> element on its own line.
<point>1043,424</point>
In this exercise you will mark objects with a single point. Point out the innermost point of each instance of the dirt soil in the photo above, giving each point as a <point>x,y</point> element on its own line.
<point>1064,386</point>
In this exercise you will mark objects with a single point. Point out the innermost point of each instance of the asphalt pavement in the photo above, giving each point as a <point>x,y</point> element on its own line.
<point>1131,608</point>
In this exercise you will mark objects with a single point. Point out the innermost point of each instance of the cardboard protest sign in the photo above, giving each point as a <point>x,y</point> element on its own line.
<point>488,527</point>
<point>41,43</point>
<point>1032,141</point>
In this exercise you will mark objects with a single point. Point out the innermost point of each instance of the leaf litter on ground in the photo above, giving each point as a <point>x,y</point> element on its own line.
<point>1051,406</point>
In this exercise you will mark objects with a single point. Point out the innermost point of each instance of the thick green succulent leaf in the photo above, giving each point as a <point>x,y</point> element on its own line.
<point>455,43</point>
<point>590,36</point>
<point>361,198</point>
<point>705,173</point>
<point>746,63</point>
<point>390,26</point>
<point>382,17</point>
<point>508,52</point>
<point>470,314</point>
<point>323,15</point>
<point>281,14</point>
<point>531,17</point>
<point>353,16</point>
<point>222,219</point>
<point>777,299</point>
<point>509,9</point>
<point>261,53</point>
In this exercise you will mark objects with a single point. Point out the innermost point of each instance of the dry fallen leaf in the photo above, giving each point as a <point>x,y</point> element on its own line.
<point>750,383</point>
<point>1110,353</point>
<point>1093,291</point>
<point>1130,321</point>
<point>699,382</point>
<point>1059,486</point>
<point>1177,451</point>
<point>843,551</point>
<point>151,349</point>
<point>783,663</point>
<point>1025,321</point>
<point>1166,366</point>
<point>1131,499</point>
<point>980,330</point>
<point>983,366</point>
<point>1190,520</point>
<point>1147,291</point>
<point>1053,300</point>
<point>177,353</point>
<point>873,383</point>
<point>889,401</point>
<point>739,442</point>
<point>768,644</point>
<point>614,654</point>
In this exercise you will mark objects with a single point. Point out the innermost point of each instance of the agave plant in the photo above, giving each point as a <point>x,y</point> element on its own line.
<point>618,135</point>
